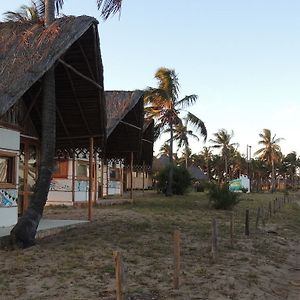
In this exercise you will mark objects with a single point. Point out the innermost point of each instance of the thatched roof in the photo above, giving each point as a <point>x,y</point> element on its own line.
<point>29,50</point>
<point>196,173</point>
<point>125,121</point>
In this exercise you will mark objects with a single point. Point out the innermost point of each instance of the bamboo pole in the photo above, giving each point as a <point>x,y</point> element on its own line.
<point>73,179</point>
<point>102,178</point>
<point>176,259</point>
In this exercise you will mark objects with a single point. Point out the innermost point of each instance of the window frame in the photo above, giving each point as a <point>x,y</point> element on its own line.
<point>12,170</point>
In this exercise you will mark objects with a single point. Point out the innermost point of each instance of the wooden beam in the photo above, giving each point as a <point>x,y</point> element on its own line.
<point>80,74</point>
<point>79,137</point>
<point>33,102</point>
<point>147,141</point>
<point>86,60</point>
<point>131,125</point>
<point>78,102</point>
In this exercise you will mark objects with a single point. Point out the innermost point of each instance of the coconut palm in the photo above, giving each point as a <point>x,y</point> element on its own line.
<point>25,13</point>
<point>23,233</point>
<point>222,141</point>
<point>270,152</point>
<point>162,104</point>
<point>182,134</point>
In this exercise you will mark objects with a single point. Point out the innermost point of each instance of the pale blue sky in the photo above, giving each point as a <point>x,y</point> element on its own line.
<point>242,58</point>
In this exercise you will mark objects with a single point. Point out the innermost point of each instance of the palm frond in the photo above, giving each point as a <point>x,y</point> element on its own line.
<point>197,123</point>
<point>186,101</point>
<point>109,7</point>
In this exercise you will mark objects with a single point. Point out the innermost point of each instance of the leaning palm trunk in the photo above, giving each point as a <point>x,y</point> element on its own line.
<point>24,232</point>
<point>169,191</point>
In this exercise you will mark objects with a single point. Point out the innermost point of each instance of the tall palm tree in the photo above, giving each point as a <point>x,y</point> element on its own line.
<point>23,233</point>
<point>270,152</point>
<point>222,140</point>
<point>163,105</point>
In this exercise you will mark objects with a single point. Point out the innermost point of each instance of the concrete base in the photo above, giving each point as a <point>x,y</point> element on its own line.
<point>47,227</point>
<point>8,216</point>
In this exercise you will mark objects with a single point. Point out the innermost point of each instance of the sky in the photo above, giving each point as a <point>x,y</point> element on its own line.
<point>241,57</point>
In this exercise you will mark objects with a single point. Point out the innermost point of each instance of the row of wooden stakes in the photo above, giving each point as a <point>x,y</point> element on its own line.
<point>261,214</point>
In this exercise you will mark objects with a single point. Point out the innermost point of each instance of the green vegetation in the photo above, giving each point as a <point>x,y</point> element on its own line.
<point>221,198</point>
<point>181,180</point>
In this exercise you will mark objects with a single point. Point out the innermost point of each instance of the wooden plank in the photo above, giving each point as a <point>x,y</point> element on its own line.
<point>90,200</point>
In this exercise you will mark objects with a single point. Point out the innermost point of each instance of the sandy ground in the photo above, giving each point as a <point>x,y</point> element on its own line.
<point>78,264</point>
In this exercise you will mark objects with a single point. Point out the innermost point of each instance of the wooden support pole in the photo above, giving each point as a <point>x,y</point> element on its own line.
<point>231,228</point>
<point>90,200</point>
<point>95,178</point>
<point>274,206</point>
<point>143,177</point>
<point>131,176</point>
<point>176,259</point>
<point>270,209</point>
<point>107,177</point>
<point>73,178</point>
<point>257,218</point>
<point>119,277</point>
<point>102,178</point>
<point>214,239</point>
<point>247,231</point>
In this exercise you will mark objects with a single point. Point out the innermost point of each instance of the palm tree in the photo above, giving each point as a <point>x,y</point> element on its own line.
<point>23,233</point>
<point>270,152</point>
<point>182,134</point>
<point>163,105</point>
<point>223,141</point>
<point>25,13</point>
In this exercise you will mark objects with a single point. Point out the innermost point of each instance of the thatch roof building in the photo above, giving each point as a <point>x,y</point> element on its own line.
<point>196,173</point>
<point>71,46</point>
<point>126,130</point>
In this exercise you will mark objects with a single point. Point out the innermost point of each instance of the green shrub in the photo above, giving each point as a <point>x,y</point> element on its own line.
<point>221,198</point>
<point>181,180</point>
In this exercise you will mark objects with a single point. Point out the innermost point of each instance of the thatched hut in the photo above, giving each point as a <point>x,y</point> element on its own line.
<point>27,52</point>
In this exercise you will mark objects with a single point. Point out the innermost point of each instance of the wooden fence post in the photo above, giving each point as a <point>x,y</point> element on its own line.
<point>176,259</point>
<point>231,229</point>
<point>214,239</point>
<point>247,231</point>
<point>119,277</point>
<point>257,218</point>
<point>270,209</point>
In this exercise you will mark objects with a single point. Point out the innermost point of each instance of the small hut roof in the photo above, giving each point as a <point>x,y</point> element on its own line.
<point>125,121</point>
<point>28,51</point>
<point>197,173</point>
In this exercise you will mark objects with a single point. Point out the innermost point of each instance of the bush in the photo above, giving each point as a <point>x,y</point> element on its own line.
<point>221,198</point>
<point>181,180</point>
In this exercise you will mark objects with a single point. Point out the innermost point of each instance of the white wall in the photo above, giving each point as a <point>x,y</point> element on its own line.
<point>10,142</point>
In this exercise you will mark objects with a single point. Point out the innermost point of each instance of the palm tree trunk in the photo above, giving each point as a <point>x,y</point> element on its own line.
<point>186,157</point>
<point>273,178</point>
<point>226,168</point>
<point>169,191</point>
<point>23,233</point>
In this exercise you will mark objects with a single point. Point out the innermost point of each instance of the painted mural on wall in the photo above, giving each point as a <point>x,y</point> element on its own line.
<point>8,198</point>
<point>81,186</point>
<point>65,185</point>
<point>61,185</point>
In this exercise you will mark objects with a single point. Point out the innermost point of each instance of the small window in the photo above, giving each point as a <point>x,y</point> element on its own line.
<point>114,174</point>
<point>82,169</point>
<point>61,169</point>
<point>7,170</point>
